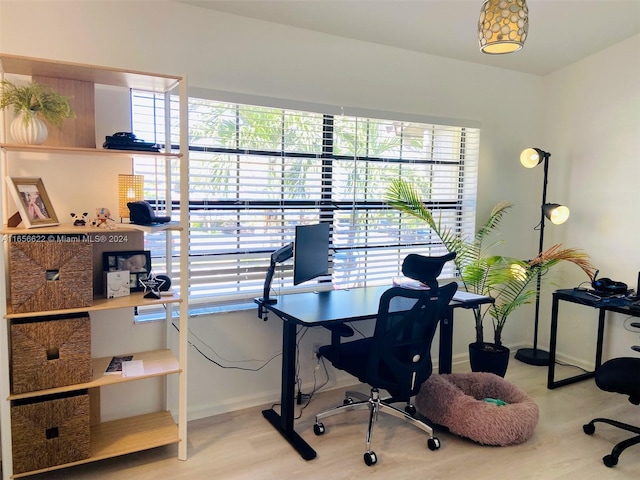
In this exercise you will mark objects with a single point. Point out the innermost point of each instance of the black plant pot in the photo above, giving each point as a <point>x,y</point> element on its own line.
<point>487,357</point>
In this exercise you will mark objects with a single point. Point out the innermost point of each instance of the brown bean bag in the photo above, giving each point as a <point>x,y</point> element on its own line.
<point>457,401</point>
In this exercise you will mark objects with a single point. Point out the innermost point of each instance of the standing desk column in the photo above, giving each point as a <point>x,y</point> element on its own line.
<point>445,352</point>
<point>284,422</point>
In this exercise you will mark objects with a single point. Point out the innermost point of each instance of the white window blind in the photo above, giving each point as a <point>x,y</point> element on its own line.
<point>257,172</point>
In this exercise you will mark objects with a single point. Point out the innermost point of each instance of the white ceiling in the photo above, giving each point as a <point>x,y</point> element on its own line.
<point>561,32</point>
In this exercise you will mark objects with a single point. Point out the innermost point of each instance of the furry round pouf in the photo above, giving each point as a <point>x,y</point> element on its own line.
<point>457,401</point>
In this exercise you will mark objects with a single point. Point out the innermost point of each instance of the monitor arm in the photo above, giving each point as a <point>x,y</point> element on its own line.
<point>279,256</point>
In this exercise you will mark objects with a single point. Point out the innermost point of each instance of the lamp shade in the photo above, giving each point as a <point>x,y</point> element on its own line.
<point>531,157</point>
<point>130,189</point>
<point>558,214</point>
<point>503,26</point>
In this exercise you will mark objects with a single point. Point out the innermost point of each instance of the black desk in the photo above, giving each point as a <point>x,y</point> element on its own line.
<point>581,298</point>
<point>323,309</point>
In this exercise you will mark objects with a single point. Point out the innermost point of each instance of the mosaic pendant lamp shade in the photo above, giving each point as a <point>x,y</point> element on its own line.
<point>503,26</point>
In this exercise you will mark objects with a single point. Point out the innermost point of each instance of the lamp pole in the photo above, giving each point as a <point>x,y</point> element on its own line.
<point>533,356</point>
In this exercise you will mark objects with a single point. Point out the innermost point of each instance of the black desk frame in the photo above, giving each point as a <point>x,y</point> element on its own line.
<point>364,307</point>
<point>579,297</point>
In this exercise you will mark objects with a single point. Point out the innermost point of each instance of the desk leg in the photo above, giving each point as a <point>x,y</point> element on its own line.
<point>551,383</point>
<point>446,342</point>
<point>552,343</point>
<point>284,421</point>
<point>601,315</point>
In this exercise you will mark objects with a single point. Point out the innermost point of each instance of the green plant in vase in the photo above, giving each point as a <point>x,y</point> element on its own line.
<point>511,282</point>
<point>32,103</point>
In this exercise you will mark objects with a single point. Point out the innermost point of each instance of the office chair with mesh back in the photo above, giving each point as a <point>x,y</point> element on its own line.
<point>619,375</point>
<point>397,358</point>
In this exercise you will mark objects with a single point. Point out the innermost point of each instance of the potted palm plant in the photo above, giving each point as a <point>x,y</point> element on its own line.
<point>32,103</point>
<point>511,282</point>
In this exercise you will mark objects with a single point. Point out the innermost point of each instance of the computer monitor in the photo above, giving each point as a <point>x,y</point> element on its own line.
<point>310,252</point>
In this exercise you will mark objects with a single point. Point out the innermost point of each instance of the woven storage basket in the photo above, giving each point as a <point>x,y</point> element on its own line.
<point>50,431</point>
<point>50,275</point>
<point>50,352</point>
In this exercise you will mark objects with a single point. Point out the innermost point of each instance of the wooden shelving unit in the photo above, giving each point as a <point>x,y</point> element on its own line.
<point>119,437</point>
<point>132,434</point>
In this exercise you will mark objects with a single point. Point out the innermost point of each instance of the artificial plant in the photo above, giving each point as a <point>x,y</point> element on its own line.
<point>34,99</point>
<point>511,282</point>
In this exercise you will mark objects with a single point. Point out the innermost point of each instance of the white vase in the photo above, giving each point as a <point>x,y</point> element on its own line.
<point>33,131</point>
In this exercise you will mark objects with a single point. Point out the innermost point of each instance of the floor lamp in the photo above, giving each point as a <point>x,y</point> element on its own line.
<point>530,158</point>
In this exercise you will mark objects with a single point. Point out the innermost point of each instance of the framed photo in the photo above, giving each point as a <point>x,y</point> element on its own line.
<point>32,201</point>
<point>138,262</point>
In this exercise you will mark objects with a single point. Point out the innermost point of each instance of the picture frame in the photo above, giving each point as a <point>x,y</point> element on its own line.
<point>137,262</point>
<point>32,201</point>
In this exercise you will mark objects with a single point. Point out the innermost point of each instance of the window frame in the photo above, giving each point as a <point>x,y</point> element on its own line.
<point>326,206</point>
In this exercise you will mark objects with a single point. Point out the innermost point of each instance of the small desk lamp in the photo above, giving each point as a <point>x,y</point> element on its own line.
<point>130,189</point>
<point>557,214</point>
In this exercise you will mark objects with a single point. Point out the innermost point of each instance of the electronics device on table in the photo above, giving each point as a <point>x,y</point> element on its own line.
<point>142,213</point>
<point>606,286</point>
<point>128,141</point>
<point>310,252</point>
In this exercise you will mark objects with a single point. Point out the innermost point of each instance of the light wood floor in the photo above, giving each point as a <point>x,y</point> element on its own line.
<point>242,445</point>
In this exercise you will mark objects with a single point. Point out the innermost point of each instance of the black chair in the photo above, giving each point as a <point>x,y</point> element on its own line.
<point>397,358</point>
<point>619,375</point>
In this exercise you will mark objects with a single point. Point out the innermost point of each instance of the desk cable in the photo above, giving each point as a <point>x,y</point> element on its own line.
<point>231,367</point>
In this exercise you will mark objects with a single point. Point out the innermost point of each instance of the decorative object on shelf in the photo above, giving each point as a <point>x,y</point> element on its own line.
<point>128,141</point>
<point>103,218</point>
<point>137,262</point>
<point>116,283</point>
<point>50,352</point>
<point>508,280</point>
<point>33,204</point>
<point>503,26</point>
<point>558,214</point>
<point>79,220</point>
<point>33,103</point>
<point>130,189</point>
<point>50,430</point>
<point>166,285</point>
<point>142,213</point>
<point>47,274</point>
<point>152,286</point>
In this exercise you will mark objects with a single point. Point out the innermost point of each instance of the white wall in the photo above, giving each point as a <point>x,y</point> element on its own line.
<point>592,110</point>
<point>234,54</point>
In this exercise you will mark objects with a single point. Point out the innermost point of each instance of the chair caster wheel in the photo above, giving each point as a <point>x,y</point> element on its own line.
<point>370,458</point>
<point>589,428</point>
<point>433,443</point>
<point>410,409</point>
<point>319,429</point>
<point>610,460</point>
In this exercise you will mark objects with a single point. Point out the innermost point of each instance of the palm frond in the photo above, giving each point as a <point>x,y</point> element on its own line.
<point>510,281</point>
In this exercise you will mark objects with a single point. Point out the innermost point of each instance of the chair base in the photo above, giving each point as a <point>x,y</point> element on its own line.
<point>375,405</point>
<point>611,460</point>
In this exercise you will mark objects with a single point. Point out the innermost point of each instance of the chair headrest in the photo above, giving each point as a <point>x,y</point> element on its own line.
<point>425,269</point>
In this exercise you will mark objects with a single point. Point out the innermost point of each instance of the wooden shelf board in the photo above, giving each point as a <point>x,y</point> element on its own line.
<point>69,229</point>
<point>156,363</point>
<point>19,65</point>
<point>127,435</point>
<point>161,227</point>
<point>130,301</point>
<point>12,147</point>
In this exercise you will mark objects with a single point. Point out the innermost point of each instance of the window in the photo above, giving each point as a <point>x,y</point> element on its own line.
<point>256,172</point>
